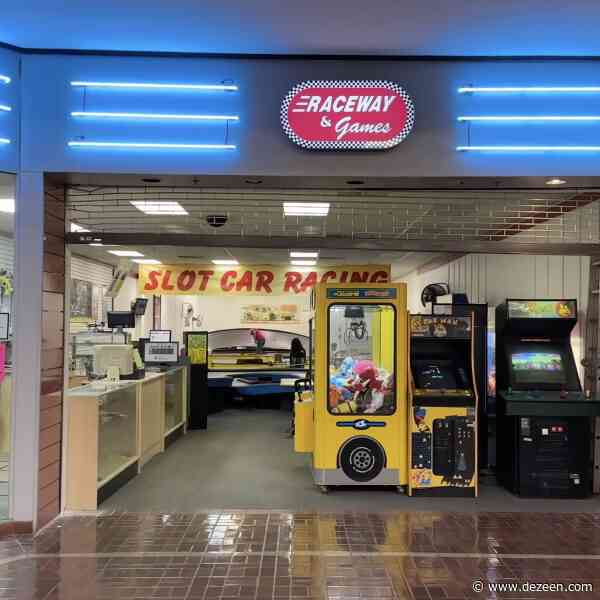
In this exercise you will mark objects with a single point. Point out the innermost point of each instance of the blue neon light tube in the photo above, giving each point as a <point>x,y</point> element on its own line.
<point>165,145</point>
<point>156,86</point>
<point>127,115</point>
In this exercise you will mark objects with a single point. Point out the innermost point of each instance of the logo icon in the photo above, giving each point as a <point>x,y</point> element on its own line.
<point>361,424</point>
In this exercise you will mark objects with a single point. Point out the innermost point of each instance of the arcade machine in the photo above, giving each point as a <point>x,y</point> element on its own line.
<point>544,418</point>
<point>353,421</point>
<point>196,350</point>
<point>442,407</point>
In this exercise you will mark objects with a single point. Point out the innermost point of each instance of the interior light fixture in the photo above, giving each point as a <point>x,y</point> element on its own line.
<point>7,205</point>
<point>558,118</point>
<point>156,86</point>
<point>303,263</point>
<point>4,79</point>
<point>297,254</point>
<point>528,148</point>
<point>95,244</point>
<point>306,209</point>
<point>147,261</point>
<point>556,181</point>
<point>4,141</point>
<point>126,253</point>
<point>152,145</point>
<point>159,207</point>
<point>78,228</point>
<point>529,88</point>
<point>163,116</point>
<point>225,261</point>
<point>5,108</point>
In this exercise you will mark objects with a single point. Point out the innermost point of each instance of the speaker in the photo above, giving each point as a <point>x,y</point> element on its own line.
<point>362,459</point>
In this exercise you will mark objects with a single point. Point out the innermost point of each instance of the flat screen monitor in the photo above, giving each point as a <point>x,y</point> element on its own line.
<point>139,306</point>
<point>541,367</point>
<point>160,335</point>
<point>121,319</point>
<point>435,375</point>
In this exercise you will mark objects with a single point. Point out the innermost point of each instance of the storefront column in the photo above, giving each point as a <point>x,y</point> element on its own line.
<point>27,334</point>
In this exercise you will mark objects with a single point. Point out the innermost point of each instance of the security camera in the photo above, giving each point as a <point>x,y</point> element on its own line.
<point>216,220</point>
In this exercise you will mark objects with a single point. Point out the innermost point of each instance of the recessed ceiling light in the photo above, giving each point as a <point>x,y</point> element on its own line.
<point>225,261</point>
<point>555,181</point>
<point>159,207</point>
<point>7,205</point>
<point>126,253</point>
<point>95,244</point>
<point>147,261</point>
<point>296,254</point>
<point>304,263</point>
<point>78,228</point>
<point>306,209</point>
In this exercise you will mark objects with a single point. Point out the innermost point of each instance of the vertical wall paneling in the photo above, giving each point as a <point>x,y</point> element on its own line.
<point>52,363</point>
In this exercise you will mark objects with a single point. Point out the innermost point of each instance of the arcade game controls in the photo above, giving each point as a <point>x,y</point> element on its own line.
<point>443,407</point>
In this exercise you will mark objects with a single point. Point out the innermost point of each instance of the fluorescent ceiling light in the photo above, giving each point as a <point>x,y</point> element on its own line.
<point>156,86</point>
<point>5,108</point>
<point>95,244</point>
<point>304,263</point>
<point>529,148</point>
<point>295,254</point>
<point>533,118</point>
<point>225,261</point>
<point>4,79</point>
<point>159,208</point>
<point>555,181</point>
<point>7,205</point>
<point>78,228</point>
<point>147,261</point>
<point>152,145</point>
<point>301,209</point>
<point>127,115</point>
<point>126,253</point>
<point>4,141</point>
<point>527,89</point>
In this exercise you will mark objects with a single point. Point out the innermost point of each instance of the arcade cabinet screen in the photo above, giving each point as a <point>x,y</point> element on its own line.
<point>538,367</point>
<point>434,375</point>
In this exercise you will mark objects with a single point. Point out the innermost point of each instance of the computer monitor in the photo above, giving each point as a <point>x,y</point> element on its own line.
<point>121,319</point>
<point>160,335</point>
<point>539,367</point>
<point>435,375</point>
<point>161,352</point>
<point>113,355</point>
<point>139,307</point>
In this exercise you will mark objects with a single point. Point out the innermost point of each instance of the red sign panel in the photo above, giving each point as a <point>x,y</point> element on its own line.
<point>347,115</point>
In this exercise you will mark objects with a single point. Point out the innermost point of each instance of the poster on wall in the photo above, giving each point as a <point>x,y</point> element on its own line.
<point>81,300</point>
<point>264,313</point>
<point>255,280</point>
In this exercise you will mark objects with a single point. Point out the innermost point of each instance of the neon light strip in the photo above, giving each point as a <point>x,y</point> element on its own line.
<point>152,145</point>
<point>4,79</point>
<point>157,86</point>
<point>4,141</point>
<point>5,108</point>
<point>537,118</point>
<point>528,89</point>
<point>124,115</point>
<point>529,148</point>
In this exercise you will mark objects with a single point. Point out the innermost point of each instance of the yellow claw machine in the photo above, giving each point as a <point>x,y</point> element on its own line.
<point>354,419</point>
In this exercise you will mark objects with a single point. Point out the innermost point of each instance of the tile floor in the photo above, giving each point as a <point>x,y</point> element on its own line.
<point>280,555</point>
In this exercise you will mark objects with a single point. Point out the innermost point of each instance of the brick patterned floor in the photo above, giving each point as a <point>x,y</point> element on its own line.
<point>279,555</point>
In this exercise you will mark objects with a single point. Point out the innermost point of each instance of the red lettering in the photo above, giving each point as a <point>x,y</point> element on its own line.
<point>226,285</point>
<point>344,277</point>
<point>186,280</point>
<point>292,281</point>
<point>379,277</point>
<point>205,275</point>
<point>264,279</point>
<point>309,282</point>
<point>359,277</point>
<point>328,276</point>
<point>166,285</point>
<point>152,282</point>
<point>245,282</point>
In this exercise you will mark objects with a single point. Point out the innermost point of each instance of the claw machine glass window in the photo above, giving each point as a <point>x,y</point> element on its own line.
<point>362,356</point>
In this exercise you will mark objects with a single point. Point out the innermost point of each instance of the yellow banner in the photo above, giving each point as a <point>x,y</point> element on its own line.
<point>164,280</point>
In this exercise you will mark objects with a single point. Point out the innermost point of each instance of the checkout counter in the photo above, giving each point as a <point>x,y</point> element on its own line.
<point>115,427</point>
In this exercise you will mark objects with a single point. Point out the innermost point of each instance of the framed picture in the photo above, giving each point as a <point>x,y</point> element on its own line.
<point>4,324</point>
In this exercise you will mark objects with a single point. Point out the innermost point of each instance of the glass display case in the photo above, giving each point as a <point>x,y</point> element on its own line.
<point>174,388</point>
<point>117,431</point>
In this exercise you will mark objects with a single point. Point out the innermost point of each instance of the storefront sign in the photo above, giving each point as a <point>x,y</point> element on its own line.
<point>347,115</point>
<point>542,309</point>
<point>254,280</point>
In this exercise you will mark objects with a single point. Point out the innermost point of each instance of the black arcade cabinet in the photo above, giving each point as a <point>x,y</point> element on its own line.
<point>544,418</point>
